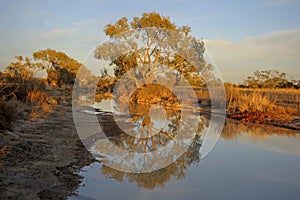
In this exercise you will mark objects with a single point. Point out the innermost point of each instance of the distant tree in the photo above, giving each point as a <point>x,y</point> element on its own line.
<point>60,68</point>
<point>267,79</point>
<point>295,83</point>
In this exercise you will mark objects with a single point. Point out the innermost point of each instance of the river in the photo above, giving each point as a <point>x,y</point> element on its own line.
<point>247,162</point>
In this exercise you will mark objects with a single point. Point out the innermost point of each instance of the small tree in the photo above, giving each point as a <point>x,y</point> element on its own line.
<point>23,69</point>
<point>17,78</point>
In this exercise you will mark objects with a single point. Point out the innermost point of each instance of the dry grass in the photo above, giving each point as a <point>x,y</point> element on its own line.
<point>41,103</point>
<point>281,101</point>
<point>3,151</point>
<point>202,93</point>
<point>276,101</point>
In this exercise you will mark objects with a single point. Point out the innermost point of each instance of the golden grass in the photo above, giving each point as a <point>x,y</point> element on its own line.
<point>281,101</point>
<point>243,100</point>
<point>41,103</point>
<point>239,100</point>
<point>202,93</point>
<point>3,151</point>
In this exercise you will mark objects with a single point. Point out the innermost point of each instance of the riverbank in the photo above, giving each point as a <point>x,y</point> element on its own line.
<point>275,107</point>
<point>289,122</point>
<point>40,158</point>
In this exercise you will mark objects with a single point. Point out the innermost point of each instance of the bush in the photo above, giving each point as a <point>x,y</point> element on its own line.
<point>6,115</point>
<point>27,87</point>
<point>14,88</point>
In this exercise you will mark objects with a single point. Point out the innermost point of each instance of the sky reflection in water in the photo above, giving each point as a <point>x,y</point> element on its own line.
<point>248,162</point>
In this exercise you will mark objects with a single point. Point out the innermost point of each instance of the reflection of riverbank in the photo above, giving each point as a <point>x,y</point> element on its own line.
<point>267,137</point>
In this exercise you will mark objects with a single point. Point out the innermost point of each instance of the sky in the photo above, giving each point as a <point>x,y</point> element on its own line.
<point>240,35</point>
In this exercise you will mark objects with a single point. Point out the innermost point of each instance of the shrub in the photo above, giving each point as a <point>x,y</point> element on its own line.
<point>6,115</point>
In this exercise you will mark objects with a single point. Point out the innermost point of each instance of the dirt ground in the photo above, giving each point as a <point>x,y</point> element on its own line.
<point>40,159</point>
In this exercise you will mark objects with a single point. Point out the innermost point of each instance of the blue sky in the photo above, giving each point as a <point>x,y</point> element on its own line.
<point>241,36</point>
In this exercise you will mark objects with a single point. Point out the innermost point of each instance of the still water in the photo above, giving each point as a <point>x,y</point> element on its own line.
<point>248,162</point>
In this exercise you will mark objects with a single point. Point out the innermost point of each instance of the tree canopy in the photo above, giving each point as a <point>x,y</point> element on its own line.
<point>18,78</point>
<point>151,49</point>
<point>148,43</point>
<point>23,68</point>
<point>60,68</point>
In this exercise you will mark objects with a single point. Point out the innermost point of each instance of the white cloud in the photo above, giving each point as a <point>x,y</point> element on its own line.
<point>276,50</point>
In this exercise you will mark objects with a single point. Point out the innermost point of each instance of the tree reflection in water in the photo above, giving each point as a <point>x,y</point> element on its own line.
<point>142,117</point>
<point>160,177</point>
<point>177,169</point>
<point>158,130</point>
<point>148,132</point>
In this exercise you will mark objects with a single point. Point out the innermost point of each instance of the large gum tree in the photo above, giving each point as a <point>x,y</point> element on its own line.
<point>152,46</point>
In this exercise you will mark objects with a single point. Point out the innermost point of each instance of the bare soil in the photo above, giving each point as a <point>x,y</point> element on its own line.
<point>40,159</point>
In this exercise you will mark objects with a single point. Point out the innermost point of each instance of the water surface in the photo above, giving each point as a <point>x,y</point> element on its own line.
<point>248,162</point>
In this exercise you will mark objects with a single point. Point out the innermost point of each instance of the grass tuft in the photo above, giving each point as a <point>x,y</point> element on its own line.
<point>41,103</point>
